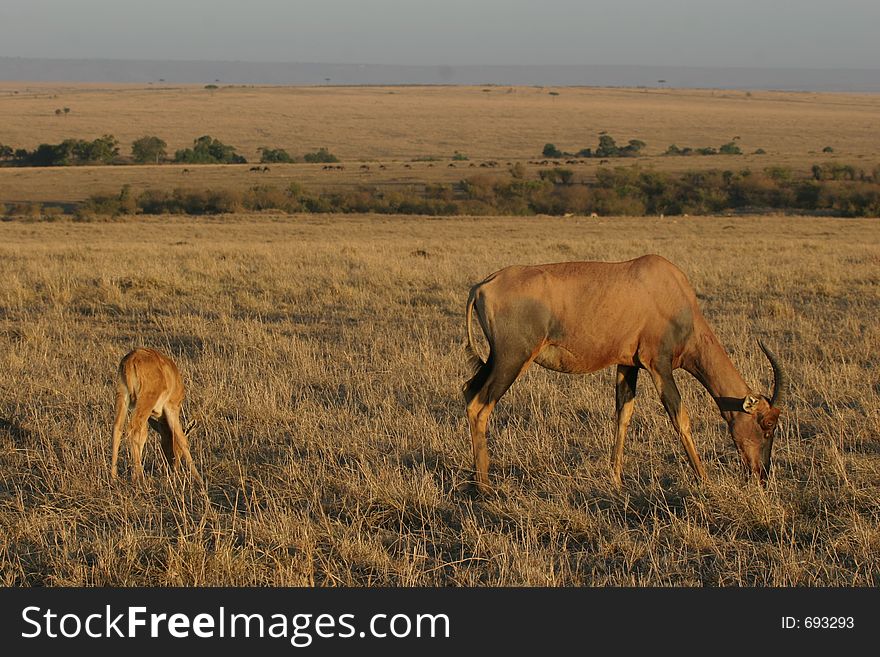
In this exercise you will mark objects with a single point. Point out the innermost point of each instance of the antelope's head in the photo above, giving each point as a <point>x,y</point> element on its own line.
<point>752,429</point>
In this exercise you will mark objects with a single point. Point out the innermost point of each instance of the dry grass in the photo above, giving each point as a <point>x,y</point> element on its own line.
<point>324,357</point>
<point>394,125</point>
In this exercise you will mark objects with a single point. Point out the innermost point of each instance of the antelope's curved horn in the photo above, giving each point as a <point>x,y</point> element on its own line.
<point>779,381</point>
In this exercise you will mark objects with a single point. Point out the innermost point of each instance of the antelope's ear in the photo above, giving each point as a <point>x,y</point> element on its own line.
<point>750,404</point>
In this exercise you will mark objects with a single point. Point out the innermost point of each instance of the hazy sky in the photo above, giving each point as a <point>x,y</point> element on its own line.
<point>766,33</point>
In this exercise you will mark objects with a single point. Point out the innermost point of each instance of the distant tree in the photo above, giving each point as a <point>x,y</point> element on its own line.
<point>149,149</point>
<point>632,148</point>
<point>67,110</point>
<point>607,147</point>
<point>6,152</point>
<point>274,155</point>
<point>70,151</point>
<point>48,155</point>
<point>320,155</point>
<point>730,148</point>
<point>103,149</point>
<point>550,150</point>
<point>207,150</point>
<point>211,86</point>
<point>828,149</point>
<point>459,156</point>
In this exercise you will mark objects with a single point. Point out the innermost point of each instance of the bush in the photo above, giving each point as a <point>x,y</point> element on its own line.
<point>101,205</point>
<point>778,173</point>
<point>320,155</point>
<point>209,201</point>
<point>730,148</point>
<point>557,175</point>
<point>518,171</point>
<point>839,190</point>
<point>266,197</point>
<point>632,147</point>
<point>550,150</point>
<point>607,202</point>
<point>459,156</point>
<point>52,212</point>
<point>24,210</point>
<point>274,155</point>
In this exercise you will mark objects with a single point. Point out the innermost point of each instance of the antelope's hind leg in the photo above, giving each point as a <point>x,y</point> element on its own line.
<point>180,441</point>
<point>137,434</point>
<point>482,393</point>
<point>122,401</point>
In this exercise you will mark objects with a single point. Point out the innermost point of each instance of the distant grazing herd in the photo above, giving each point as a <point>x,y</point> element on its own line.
<point>366,167</point>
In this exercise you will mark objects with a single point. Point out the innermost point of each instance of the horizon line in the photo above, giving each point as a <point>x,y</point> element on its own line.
<point>439,65</point>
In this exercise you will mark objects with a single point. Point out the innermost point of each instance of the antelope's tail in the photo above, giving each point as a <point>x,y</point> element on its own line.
<point>480,368</point>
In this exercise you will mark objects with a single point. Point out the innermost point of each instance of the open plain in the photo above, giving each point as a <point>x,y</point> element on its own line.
<point>323,354</point>
<point>413,132</point>
<point>324,358</point>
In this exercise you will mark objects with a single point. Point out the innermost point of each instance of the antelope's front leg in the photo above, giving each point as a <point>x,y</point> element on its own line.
<point>625,395</point>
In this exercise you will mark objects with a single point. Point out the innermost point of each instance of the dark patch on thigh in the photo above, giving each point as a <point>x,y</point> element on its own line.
<point>520,325</point>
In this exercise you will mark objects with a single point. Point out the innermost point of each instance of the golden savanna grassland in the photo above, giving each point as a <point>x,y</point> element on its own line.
<point>324,354</point>
<point>395,125</point>
<point>324,357</point>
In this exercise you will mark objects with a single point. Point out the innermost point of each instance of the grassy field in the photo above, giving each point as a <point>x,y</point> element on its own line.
<point>392,126</point>
<point>324,358</point>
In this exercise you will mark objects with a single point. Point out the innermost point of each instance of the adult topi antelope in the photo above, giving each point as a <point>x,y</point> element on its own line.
<point>151,385</point>
<point>579,317</point>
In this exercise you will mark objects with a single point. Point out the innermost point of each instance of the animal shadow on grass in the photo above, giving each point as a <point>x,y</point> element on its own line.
<point>445,473</point>
<point>190,346</point>
<point>23,439</point>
